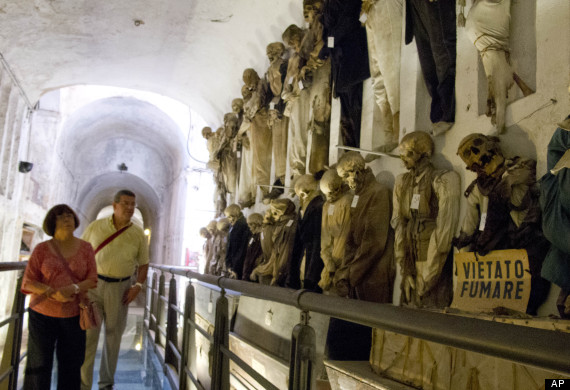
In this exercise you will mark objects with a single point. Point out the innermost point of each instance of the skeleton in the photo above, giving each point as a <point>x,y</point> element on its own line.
<point>237,241</point>
<point>383,23</point>
<point>217,267</point>
<point>487,26</point>
<point>283,212</point>
<point>502,208</point>
<point>266,237</point>
<point>256,110</point>
<point>335,227</point>
<point>426,210</point>
<point>254,254</point>
<point>246,185</point>
<point>296,94</point>
<point>227,152</point>
<point>278,123</point>
<point>306,263</point>
<point>237,108</point>
<point>206,248</point>
<point>367,271</point>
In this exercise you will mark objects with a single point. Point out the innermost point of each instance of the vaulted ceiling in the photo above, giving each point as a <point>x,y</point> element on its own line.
<point>191,50</point>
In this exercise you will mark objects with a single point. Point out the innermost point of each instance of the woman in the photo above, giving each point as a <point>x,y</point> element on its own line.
<point>54,307</point>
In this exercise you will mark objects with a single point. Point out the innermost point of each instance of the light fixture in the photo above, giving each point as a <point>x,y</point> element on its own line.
<point>123,167</point>
<point>25,166</point>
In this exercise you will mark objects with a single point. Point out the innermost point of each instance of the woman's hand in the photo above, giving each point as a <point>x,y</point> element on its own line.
<point>64,294</point>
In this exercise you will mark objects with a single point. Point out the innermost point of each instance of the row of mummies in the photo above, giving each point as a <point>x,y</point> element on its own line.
<point>348,234</point>
<point>346,42</point>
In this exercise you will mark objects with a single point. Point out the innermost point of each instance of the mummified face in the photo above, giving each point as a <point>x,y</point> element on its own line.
<point>478,151</point>
<point>237,106</point>
<point>305,187</point>
<point>414,147</point>
<point>233,212</point>
<point>332,185</point>
<point>275,50</point>
<point>255,222</point>
<point>311,11</point>
<point>352,168</point>
<point>223,225</point>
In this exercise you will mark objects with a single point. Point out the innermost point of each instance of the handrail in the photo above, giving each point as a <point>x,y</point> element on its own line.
<point>540,348</point>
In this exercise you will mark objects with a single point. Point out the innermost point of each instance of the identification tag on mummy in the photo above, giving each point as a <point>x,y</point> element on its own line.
<point>301,86</point>
<point>330,42</point>
<point>251,241</point>
<point>290,223</point>
<point>483,221</point>
<point>238,154</point>
<point>363,18</point>
<point>331,209</point>
<point>272,106</point>
<point>290,80</point>
<point>415,202</point>
<point>354,201</point>
<point>262,235</point>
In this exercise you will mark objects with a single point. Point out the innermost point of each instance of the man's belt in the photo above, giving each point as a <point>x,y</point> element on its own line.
<point>112,280</point>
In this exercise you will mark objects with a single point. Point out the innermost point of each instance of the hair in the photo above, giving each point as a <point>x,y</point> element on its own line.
<point>250,76</point>
<point>276,46</point>
<point>51,216</point>
<point>120,193</point>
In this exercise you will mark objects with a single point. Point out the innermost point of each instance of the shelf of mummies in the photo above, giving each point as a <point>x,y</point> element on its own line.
<point>349,233</point>
<point>330,57</point>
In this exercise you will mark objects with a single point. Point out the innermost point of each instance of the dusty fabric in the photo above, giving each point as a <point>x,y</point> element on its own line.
<point>246,186</point>
<point>423,235</point>
<point>432,24</point>
<point>368,264</point>
<point>237,246</point>
<point>253,256</point>
<point>298,121</point>
<point>555,204</point>
<point>384,34</point>
<point>334,232</point>
<point>261,141</point>
<point>208,253</point>
<point>488,24</point>
<point>319,121</point>
<point>513,220</point>
<point>307,245</point>
<point>278,123</point>
<point>217,266</point>
<point>228,164</point>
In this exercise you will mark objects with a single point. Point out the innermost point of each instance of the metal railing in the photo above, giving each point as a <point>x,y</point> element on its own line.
<point>11,357</point>
<point>545,349</point>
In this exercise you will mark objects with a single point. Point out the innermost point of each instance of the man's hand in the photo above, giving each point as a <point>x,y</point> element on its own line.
<point>131,294</point>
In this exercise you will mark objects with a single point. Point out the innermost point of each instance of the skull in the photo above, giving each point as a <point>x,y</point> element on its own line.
<point>207,132</point>
<point>268,217</point>
<point>204,233</point>
<point>250,78</point>
<point>281,208</point>
<point>237,106</point>
<point>233,212</point>
<point>245,93</point>
<point>311,9</point>
<point>480,153</point>
<point>332,185</point>
<point>212,226</point>
<point>230,124</point>
<point>255,222</point>
<point>223,225</point>
<point>415,147</point>
<point>352,168</point>
<point>292,36</point>
<point>275,50</point>
<point>305,187</point>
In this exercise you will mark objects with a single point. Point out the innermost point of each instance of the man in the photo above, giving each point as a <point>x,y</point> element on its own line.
<point>116,262</point>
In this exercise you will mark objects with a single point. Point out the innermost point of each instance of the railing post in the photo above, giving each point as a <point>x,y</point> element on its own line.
<point>153,307</point>
<point>171,327</point>
<point>160,309</point>
<point>188,359</point>
<point>221,369</point>
<point>303,355</point>
<point>11,354</point>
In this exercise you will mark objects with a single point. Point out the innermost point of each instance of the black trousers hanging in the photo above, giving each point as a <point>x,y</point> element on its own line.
<point>433,26</point>
<point>351,114</point>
